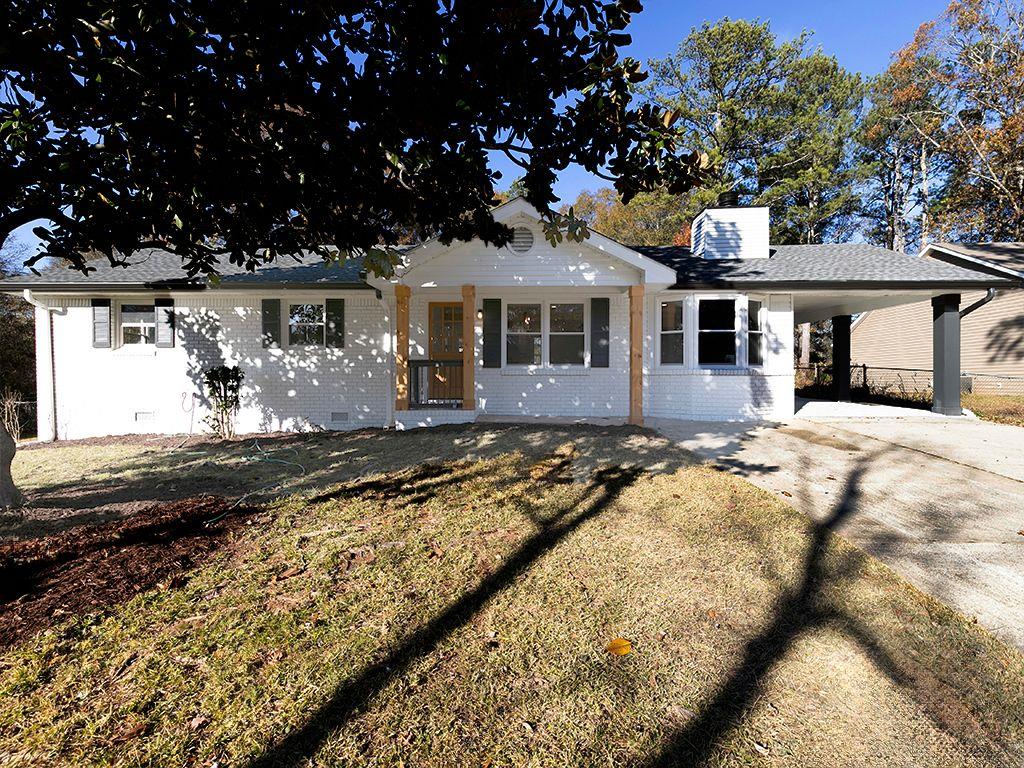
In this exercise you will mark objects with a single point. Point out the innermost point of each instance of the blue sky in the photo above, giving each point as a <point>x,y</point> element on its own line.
<point>861,35</point>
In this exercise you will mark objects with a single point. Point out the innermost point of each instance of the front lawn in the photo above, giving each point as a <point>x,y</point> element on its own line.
<point>458,612</point>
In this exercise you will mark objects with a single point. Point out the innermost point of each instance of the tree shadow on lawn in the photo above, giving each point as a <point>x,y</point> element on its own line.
<point>280,464</point>
<point>354,695</point>
<point>800,609</point>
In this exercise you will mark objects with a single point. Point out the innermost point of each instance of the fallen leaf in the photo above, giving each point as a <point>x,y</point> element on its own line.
<point>761,749</point>
<point>1020,532</point>
<point>787,494</point>
<point>288,573</point>
<point>133,732</point>
<point>198,722</point>
<point>435,549</point>
<point>620,646</point>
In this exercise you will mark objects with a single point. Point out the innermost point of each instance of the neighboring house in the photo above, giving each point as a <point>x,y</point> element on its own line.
<point>580,330</point>
<point>992,335</point>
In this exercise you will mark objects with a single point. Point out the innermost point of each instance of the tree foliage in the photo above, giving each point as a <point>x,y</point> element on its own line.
<point>219,132</point>
<point>650,218</point>
<point>776,121</point>
<point>17,343</point>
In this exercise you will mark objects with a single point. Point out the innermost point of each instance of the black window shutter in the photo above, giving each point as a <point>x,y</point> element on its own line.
<point>164,322</point>
<point>101,323</point>
<point>599,333</point>
<point>271,323</point>
<point>492,333</point>
<point>335,316</point>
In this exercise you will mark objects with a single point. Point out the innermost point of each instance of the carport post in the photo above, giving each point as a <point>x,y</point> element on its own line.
<point>841,357</point>
<point>946,354</point>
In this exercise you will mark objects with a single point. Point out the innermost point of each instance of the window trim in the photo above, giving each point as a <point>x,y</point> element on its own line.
<point>121,324</point>
<point>683,299</point>
<point>287,319</point>
<point>545,323</point>
<point>582,332</point>
<point>738,323</point>
<point>762,332</point>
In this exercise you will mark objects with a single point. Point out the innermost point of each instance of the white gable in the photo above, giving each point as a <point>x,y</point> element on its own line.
<point>597,261</point>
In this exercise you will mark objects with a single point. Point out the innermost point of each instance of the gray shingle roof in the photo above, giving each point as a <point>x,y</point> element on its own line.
<point>833,265</point>
<point>156,268</point>
<point>848,265</point>
<point>1004,255</point>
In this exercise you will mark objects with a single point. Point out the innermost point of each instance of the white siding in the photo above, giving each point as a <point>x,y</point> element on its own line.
<point>731,233</point>
<point>476,263</point>
<point>136,389</point>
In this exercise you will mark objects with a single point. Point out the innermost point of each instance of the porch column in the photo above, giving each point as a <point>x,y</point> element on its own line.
<point>402,347</point>
<point>841,357</point>
<point>468,347</point>
<point>636,355</point>
<point>946,354</point>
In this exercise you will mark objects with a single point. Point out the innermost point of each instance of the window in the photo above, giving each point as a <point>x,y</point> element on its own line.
<point>755,333</point>
<point>306,324</point>
<point>716,323</point>
<point>671,333</point>
<point>522,338</point>
<point>565,334</point>
<point>138,324</point>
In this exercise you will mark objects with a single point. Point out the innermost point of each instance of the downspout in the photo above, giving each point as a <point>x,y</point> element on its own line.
<point>989,295</point>
<point>27,295</point>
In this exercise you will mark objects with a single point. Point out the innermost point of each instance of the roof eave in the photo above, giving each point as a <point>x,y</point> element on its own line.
<point>851,285</point>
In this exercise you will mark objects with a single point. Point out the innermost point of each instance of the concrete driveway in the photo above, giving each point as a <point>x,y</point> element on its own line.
<point>939,500</point>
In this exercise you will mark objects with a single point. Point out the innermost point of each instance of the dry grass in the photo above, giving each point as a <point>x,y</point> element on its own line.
<point>1004,409</point>
<point>457,614</point>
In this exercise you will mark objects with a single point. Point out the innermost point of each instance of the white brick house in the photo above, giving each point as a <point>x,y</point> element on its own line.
<point>592,330</point>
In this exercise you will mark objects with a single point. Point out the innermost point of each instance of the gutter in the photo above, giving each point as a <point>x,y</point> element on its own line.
<point>989,295</point>
<point>50,311</point>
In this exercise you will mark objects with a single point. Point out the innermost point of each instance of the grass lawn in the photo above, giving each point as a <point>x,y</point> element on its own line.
<point>384,611</point>
<point>1004,409</point>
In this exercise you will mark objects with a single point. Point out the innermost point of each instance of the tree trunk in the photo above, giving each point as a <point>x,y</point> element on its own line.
<point>924,195</point>
<point>10,496</point>
<point>805,345</point>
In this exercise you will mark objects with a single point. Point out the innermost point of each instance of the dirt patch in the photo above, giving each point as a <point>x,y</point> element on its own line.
<point>48,580</point>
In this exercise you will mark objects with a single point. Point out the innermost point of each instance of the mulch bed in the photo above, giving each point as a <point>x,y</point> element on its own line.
<point>49,580</point>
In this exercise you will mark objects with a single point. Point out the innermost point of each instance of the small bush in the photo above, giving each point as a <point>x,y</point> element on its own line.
<point>223,385</point>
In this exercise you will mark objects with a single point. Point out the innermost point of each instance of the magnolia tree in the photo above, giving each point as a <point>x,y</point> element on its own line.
<point>339,127</point>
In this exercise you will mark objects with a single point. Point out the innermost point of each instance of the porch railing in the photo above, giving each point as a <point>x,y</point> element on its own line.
<point>435,383</point>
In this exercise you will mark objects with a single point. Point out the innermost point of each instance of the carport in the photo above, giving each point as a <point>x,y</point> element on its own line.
<point>842,303</point>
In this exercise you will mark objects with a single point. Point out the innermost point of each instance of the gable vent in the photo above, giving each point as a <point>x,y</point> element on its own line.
<point>522,240</point>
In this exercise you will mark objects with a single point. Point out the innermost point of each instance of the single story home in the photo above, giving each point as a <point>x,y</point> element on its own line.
<point>596,330</point>
<point>992,327</point>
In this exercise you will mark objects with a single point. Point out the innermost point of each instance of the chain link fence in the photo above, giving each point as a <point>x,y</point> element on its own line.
<point>997,398</point>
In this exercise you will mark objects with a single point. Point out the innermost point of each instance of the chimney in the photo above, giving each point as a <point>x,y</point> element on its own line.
<point>731,231</point>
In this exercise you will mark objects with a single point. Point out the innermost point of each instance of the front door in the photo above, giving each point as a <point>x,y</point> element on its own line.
<point>445,331</point>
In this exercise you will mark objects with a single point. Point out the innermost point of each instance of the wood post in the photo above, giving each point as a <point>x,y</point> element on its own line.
<point>636,355</point>
<point>402,293</point>
<point>468,347</point>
